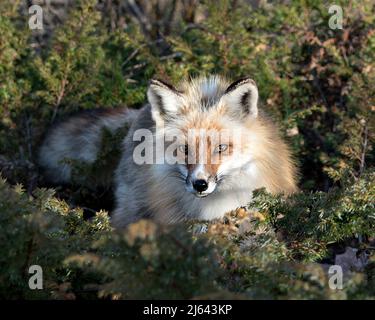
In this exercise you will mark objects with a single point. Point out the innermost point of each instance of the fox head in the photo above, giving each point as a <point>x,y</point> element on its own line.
<point>216,129</point>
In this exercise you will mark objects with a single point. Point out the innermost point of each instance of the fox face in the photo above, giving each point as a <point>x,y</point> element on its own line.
<point>213,125</point>
<point>208,158</point>
<point>195,151</point>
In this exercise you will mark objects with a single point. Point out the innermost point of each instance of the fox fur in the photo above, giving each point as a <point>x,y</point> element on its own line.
<point>170,193</point>
<point>79,138</point>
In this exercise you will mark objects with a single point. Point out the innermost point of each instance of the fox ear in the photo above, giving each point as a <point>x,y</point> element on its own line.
<point>242,97</point>
<point>165,100</point>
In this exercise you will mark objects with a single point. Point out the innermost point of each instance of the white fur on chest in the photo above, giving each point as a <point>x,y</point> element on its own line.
<point>217,206</point>
<point>232,194</point>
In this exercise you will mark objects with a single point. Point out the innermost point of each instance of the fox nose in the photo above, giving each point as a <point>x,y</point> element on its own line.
<point>200,185</point>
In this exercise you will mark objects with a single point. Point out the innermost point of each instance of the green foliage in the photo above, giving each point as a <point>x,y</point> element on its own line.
<point>317,83</point>
<point>40,231</point>
<point>68,74</point>
<point>242,257</point>
<point>311,221</point>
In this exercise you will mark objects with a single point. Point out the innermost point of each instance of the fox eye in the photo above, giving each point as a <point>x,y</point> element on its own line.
<point>184,148</point>
<point>221,148</point>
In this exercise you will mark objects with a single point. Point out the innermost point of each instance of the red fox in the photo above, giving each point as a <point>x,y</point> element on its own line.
<point>195,151</point>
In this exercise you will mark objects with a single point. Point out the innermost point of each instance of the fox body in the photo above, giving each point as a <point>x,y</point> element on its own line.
<point>204,174</point>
